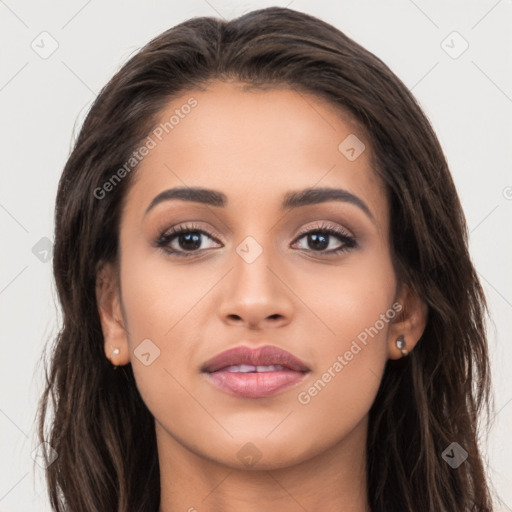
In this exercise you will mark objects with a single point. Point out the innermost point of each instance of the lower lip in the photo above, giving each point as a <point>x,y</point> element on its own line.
<point>255,385</point>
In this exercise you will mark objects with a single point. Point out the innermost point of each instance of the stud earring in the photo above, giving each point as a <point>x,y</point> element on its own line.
<point>400,343</point>
<point>114,352</point>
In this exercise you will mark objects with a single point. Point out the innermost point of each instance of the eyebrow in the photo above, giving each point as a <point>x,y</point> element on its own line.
<point>292,199</point>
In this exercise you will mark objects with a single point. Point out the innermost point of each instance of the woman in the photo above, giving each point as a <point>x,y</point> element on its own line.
<point>258,229</point>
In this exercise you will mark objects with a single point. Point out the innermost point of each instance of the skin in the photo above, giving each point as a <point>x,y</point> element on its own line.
<point>254,146</point>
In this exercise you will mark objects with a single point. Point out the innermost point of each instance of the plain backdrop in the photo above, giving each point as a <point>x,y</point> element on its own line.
<point>56,56</point>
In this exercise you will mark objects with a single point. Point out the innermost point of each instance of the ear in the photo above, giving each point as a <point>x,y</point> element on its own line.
<point>409,322</point>
<point>109,309</point>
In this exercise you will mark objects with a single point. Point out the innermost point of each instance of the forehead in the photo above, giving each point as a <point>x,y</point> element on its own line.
<point>255,145</point>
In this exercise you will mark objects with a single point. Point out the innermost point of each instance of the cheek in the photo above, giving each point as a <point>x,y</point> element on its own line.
<point>356,308</point>
<point>346,300</point>
<point>156,299</point>
<point>157,294</point>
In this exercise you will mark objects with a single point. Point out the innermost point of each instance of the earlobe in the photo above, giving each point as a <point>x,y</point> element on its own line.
<point>409,325</point>
<point>110,313</point>
<point>402,345</point>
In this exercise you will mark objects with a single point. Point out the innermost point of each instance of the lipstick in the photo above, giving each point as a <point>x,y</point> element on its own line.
<point>254,373</point>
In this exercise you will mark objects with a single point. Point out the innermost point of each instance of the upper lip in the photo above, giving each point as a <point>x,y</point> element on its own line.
<point>261,356</point>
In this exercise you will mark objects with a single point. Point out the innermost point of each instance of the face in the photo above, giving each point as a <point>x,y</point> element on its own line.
<point>256,266</point>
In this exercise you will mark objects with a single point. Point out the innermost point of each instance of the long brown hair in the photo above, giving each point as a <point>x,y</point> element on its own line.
<point>102,431</point>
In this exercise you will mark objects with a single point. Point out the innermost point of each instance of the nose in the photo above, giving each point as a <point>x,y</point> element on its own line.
<point>255,294</point>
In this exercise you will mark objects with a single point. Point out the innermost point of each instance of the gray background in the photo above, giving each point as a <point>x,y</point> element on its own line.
<point>467,96</point>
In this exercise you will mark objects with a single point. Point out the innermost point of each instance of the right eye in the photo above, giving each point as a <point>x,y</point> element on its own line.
<point>182,241</point>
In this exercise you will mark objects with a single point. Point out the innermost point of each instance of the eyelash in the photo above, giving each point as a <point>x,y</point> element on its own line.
<point>164,240</point>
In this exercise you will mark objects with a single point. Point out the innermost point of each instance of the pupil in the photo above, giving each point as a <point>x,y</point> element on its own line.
<point>314,241</point>
<point>192,238</point>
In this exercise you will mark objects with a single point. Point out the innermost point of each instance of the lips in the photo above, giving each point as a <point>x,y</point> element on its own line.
<point>254,373</point>
<point>261,357</point>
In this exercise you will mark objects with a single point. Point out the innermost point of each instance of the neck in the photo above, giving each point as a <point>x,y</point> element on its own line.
<point>334,480</point>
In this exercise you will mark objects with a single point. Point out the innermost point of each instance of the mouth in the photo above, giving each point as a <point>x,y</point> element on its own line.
<point>254,373</point>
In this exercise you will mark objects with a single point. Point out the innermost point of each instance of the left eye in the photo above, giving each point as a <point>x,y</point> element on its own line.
<point>320,239</point>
